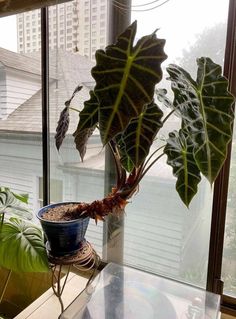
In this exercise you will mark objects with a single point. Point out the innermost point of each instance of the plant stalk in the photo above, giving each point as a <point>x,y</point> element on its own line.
<point>5,285</point>
<point>73,109</point>
<point>158,149</point>
<point>167,116</point>
<point>147,169</point>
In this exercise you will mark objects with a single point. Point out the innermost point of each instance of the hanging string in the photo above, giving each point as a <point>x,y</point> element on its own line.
<point>135,5</point>
<point>124,7</point>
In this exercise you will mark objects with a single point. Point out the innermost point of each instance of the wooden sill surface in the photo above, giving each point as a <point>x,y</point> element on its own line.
<point>48,306</point>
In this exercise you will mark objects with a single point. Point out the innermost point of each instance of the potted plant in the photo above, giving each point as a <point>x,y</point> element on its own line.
<point>63,230</point>
<point>22,246</point>
<point>123,109</point>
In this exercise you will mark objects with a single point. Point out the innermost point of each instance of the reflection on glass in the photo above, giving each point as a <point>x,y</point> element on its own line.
<point>125,293</point>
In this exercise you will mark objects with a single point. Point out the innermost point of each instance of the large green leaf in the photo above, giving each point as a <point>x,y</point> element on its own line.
<point>126,76</point>
<point>13,204</point>
<point>205,107</point>
<point>179,151</point>
<point>22,247</point>
<point>87,124</point>
<point>140,133</point>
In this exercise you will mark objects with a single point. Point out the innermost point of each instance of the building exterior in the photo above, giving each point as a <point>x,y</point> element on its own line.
<point>74,26</point>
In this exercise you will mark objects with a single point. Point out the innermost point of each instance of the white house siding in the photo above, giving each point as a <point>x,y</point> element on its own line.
<point>2,87</point>
<point>162,235</point>
<point>20,164</point>
<point>20,87</point>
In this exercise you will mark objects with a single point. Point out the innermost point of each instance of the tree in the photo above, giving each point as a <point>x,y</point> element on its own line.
<point>210,42</point>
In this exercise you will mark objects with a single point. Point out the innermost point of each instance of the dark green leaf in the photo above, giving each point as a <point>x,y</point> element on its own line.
<point>64,120</point>
<point>125,160</point>
<point>62,127</point>
<point>88,117</point>
<point>87,124</point>
<point>13,204</point>
<point>126,76</point>
<point>81,140</point>
<point>77,89</point>
<point>179,151</point>
<point>22,247</point>
<point>205,107</point>
<point>140,133</point>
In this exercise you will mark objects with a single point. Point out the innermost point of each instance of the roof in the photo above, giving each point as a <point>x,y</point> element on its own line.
<point>71,69</point>
<point>19,62</point>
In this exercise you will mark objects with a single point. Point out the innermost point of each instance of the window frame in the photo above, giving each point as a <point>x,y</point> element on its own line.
<point>219,205</point>
<point>118,21</point>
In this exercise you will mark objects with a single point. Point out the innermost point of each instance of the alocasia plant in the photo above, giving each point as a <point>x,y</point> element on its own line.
<point>123,108</point>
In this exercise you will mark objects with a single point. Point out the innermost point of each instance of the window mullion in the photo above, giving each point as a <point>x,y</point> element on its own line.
<point>45,104</point>
<point>113,247</point>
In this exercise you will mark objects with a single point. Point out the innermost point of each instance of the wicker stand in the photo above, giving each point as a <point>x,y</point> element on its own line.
<point>85,260</point>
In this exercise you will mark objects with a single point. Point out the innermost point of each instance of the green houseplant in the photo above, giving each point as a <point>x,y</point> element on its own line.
<point>123,109</point>
<point>21,242</point>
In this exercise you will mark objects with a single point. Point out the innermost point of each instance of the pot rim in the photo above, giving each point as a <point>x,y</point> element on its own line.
<point>44,208</point>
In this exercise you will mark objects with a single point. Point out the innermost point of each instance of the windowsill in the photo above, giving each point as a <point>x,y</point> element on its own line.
<point>48,306</point>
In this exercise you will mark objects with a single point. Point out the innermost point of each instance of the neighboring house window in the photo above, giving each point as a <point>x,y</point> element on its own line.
<point>56,191</point>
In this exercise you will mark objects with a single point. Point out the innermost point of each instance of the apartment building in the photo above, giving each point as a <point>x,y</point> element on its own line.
<point>76,26</point>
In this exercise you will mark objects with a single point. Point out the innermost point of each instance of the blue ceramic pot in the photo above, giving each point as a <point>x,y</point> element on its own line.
<point>63,237</point>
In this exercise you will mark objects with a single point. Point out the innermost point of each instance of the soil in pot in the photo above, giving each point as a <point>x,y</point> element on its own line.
<point>62,213</point>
